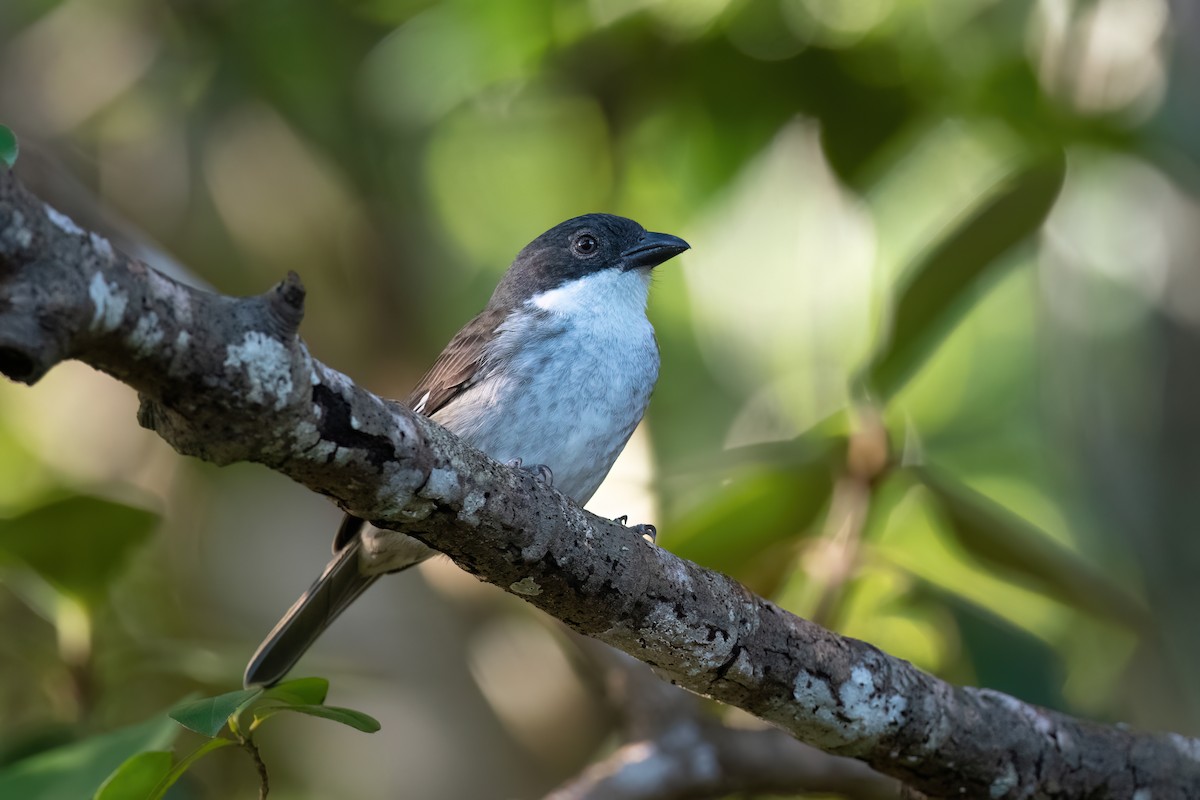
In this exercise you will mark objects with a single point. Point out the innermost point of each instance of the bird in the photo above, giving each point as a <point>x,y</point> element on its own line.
<point>552,376</point>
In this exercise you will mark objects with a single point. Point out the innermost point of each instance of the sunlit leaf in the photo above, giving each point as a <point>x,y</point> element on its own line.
<point>938,289</point>
<point>210,714</point>
<point>300,691</point>
<point>9,148</point>
<point>77,770</point>
<point>879,606</point>
<point>910,533</point>
<point>992,533</point>
<point>137,778</point>
<point>815,445</point>
<point>347,716</point>
<point>79,545</point>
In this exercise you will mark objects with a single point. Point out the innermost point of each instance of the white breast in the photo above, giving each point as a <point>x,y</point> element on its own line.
<point>572,372</point>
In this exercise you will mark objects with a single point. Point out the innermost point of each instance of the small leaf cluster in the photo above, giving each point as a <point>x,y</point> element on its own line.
<point>149,774</point>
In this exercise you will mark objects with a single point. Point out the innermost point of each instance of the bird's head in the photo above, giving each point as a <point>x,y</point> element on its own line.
<point>582,247</point>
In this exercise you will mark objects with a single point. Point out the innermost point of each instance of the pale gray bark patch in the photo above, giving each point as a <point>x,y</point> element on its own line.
<point>108,303</point>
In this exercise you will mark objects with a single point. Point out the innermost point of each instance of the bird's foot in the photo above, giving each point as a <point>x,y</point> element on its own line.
<point>539,471</point>
<point>647,531</point>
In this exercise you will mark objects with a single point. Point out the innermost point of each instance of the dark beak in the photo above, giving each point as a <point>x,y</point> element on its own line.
<point>653,249</point>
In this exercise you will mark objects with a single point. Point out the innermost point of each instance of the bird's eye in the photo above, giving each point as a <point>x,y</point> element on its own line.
<point>585,245</point>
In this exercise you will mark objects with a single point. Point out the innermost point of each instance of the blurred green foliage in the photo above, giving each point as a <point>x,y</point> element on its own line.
<point>77,770</point>
<point>77,545</point>
<point>928,372</point>
<point>939,285</point>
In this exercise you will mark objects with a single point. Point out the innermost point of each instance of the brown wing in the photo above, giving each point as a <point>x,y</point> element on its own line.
<point>457,367</point>
<point>452,374</point>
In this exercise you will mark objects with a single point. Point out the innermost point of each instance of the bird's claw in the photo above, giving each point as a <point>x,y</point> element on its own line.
<point>539,471</point>
<point>647,531</point>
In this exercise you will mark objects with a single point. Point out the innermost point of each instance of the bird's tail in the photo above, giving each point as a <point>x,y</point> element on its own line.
<point>339,585</point>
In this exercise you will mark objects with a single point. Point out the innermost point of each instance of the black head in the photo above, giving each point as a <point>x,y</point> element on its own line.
<point>579,247</point>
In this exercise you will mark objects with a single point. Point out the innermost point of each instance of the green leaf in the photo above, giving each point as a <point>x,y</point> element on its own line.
<point>78,770</point>
<point>346,716</point>
<point>997,536</point>
<point>300,691</point>
<point>9,149</point>
<point>815,445</point>
<point>769,509</point>
<point>749,516</point>
<point>137,778</point>
<point>938,288</point>
<point>1002,656</point>
<point>28,741</point>
<point>79,545</point>
<point>210,714</point>
<point>148,776</point>
<point>177,772</point>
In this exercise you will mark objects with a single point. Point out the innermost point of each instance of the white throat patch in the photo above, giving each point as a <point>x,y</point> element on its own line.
<point>612,293</point>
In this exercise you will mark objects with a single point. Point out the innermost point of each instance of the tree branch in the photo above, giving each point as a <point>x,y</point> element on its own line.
<point>677,750</point>
<point>228,380</point>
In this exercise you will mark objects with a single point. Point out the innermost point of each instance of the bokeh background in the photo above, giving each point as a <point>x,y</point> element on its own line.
<point>882,253</point>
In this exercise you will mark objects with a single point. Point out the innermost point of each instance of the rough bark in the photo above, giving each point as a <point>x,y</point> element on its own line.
<point>229,380</point>
<point>677,749</point>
